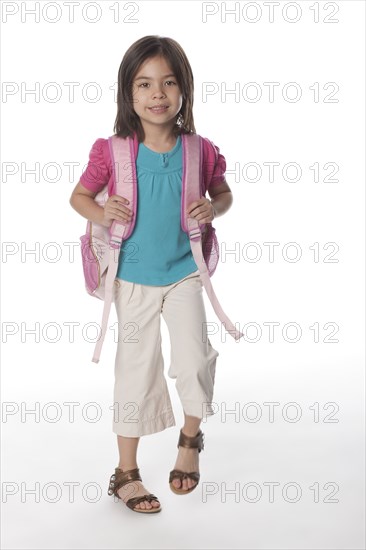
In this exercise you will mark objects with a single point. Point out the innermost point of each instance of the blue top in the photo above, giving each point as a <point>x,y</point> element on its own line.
<point>158,252</point>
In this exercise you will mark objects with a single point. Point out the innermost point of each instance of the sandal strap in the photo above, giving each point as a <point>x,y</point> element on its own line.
<point>178,474</point>
<point>132,502</point>
<point>191,442</point>
<point>120,478</point>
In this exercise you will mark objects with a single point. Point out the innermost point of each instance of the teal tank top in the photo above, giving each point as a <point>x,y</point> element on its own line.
<point>158,252</point>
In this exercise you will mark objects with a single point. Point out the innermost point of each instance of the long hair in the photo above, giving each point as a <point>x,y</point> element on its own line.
<point>127,121</point>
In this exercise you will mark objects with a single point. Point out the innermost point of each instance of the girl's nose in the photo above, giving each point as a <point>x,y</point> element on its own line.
<point>159,93</point>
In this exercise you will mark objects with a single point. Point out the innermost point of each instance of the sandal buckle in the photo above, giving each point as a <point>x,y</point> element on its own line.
<point>111,484</point>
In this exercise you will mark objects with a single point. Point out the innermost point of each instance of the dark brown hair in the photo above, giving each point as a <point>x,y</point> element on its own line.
<point>127,121</point>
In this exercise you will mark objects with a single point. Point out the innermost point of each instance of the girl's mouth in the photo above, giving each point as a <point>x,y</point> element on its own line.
<point>158,109</point>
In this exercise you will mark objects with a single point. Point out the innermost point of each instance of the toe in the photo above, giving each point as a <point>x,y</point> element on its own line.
<point>146,505</point>
<point>192,483</point>
<point>177,483</point>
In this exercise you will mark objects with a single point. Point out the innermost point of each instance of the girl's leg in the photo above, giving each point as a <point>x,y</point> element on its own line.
<point>192,358</point>
<point>138,373</point>
<point>127,447</point>
<point>193,363</point>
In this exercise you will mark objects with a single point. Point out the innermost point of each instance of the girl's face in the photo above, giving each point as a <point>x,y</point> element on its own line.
<point>156,96</point>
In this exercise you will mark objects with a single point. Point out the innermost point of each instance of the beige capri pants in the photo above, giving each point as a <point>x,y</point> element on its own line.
<point>142,403</point>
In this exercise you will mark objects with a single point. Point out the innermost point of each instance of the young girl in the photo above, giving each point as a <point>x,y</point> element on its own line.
<point>155,100</point>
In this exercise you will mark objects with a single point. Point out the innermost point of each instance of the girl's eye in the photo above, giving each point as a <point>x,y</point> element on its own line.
<point>144,84</point>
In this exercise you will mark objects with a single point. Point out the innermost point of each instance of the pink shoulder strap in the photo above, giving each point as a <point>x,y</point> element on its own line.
<point>122,151</point>
<point>192,165</point>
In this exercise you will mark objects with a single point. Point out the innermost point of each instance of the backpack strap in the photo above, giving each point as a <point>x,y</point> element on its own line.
<point>191,178</point>
<point>122,152</point>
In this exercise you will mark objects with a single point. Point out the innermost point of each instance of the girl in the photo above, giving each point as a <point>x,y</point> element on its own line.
<point>155,100</point>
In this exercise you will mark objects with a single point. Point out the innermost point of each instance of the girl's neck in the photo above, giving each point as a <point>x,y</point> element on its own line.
<point>160,139</point>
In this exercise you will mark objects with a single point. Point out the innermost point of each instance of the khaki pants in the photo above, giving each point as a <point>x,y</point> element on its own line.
<point>142,404</point>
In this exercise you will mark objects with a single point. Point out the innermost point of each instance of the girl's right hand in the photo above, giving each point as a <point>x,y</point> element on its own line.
<point>114,209</point>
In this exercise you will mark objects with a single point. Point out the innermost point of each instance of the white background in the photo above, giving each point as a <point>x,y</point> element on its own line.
<point>310,452</point>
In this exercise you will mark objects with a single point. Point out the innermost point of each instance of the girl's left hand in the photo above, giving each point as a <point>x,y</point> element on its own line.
<point>202,210</point>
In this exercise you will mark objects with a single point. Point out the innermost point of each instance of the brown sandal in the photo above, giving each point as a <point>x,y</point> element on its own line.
<point>119,479</point>
<point>195,442</point>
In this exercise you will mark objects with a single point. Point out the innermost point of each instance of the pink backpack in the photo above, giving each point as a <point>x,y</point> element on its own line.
<point>100,246</point>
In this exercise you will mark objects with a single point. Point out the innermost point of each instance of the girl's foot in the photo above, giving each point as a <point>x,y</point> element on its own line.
<point>136,489</point>
<point>187,461</point>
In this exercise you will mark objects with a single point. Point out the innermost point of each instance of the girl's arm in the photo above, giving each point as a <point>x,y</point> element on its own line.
<point>222,198</point>
<point>82,200</point>
<point>205,210</point>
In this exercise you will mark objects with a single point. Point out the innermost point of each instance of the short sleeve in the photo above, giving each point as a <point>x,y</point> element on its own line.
<point>214,165</point>
<point>218,175</point>
<point>97,173</point>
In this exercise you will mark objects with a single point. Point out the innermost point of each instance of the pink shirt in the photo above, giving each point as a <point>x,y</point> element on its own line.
<point>99,169</point>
